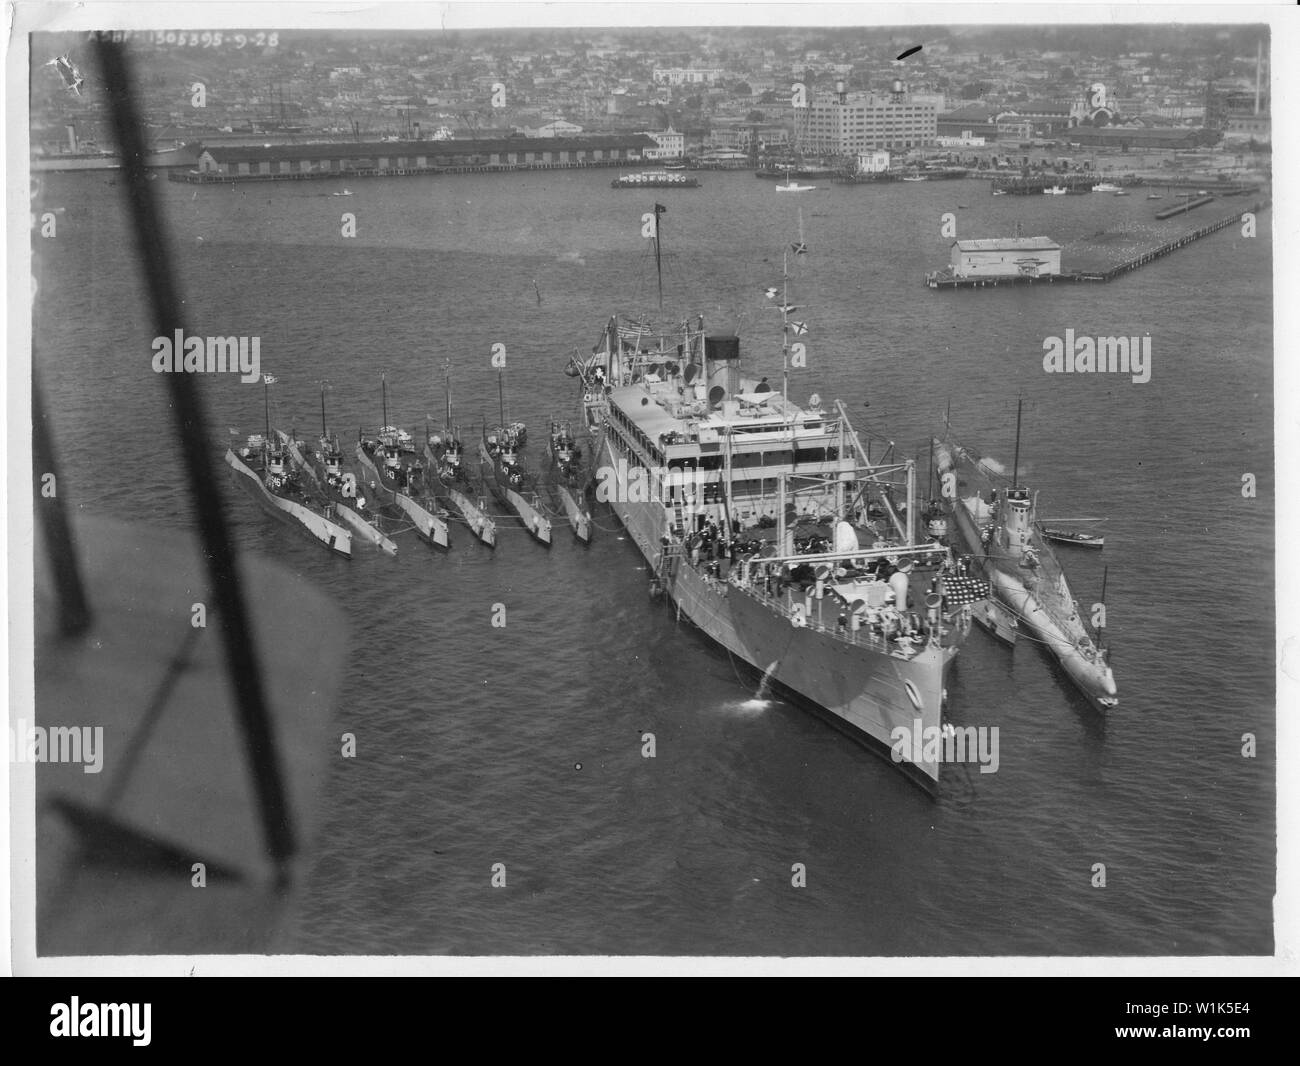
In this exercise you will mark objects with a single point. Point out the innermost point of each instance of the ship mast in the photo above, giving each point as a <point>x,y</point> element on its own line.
<point>383,384</point>
<point>785,332</point>
<point>323,431</point>
<point>501,396</point>
<point>659,272</point>
<point>446,385</point>
<point>266,405</point>
<point>1015,467</point>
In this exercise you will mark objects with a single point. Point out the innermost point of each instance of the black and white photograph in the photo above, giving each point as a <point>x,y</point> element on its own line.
<point>646,482</point>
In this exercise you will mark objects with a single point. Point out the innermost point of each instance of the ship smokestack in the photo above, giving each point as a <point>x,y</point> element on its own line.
<point>722,367</point>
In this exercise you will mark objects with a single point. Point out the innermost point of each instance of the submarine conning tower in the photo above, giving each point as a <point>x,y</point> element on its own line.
<point>1018,520</point>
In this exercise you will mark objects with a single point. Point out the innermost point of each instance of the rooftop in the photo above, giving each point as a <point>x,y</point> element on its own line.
<point>1018,244</point>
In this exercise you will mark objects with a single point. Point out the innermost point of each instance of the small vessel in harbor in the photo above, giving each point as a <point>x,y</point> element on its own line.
<point>568,479</point>
<point>915,177</point>
<point>655,179</point>
<point>793,186</point>
<point>1055,190</point>
<point>265,462</point>
<point>341,490</point>
<point>1105,186</point>
<point>1078,539</point>
<point>993,518</point>
<point>396,476</point>
<point>504,472</point>
<point>447,477</point>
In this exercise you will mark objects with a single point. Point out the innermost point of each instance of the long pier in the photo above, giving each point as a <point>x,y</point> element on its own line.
<point>1079,183</point>
<point>1184,207</point>
<point>192,177</point>
<point>945,279</point>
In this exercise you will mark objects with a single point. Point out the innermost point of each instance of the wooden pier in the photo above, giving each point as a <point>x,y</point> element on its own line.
<point>944,279</point>
<point>1078,183</point>
<point>193,177</point>
<point>1184,207</point>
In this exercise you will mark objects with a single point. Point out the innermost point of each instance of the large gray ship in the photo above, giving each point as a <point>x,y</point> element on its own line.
<point>770,528</point>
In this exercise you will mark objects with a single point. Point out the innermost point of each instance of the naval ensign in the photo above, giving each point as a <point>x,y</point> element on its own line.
<point>180,354</point>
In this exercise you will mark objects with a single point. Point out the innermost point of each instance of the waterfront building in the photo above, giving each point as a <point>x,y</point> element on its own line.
<point>1006,257</point>
<point>849,123</point>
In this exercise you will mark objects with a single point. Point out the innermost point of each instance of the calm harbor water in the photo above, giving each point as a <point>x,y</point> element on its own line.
<point>522,745</point>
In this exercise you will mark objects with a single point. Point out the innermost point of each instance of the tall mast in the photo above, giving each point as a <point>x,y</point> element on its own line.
<point>501,395</point>
<point>659,272</point>
<point>266,404</point>
<point>323,431</point>
<point>785,330</point>
<point>447,389</point>
<point>383,384</point>
<point>1015,468</point>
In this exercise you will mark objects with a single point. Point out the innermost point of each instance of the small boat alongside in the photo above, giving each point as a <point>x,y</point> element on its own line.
<point>1105,186</point>
<point>1055,190</point>
<point>1067,536</point>
<point>793,186</point>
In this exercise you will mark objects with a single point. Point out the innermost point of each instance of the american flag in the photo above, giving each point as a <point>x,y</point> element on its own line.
<point>959,591</point>
<point>771,294</point>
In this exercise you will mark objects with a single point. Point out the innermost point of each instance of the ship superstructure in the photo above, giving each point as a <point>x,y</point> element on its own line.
<point>771,529</point>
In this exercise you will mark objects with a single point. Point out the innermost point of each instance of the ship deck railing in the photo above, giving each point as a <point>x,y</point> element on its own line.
<point>752,576</point>
<point>852,632</point>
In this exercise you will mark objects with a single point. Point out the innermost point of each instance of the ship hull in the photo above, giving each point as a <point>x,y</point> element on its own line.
<point>333,536</point>
<point>428,525</point>
<point>342,511</point>
<point>1094,679</point>
<point>475,517</point>
<point>574,509</point>
<point>868,694</point>
<point>537,524</point>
